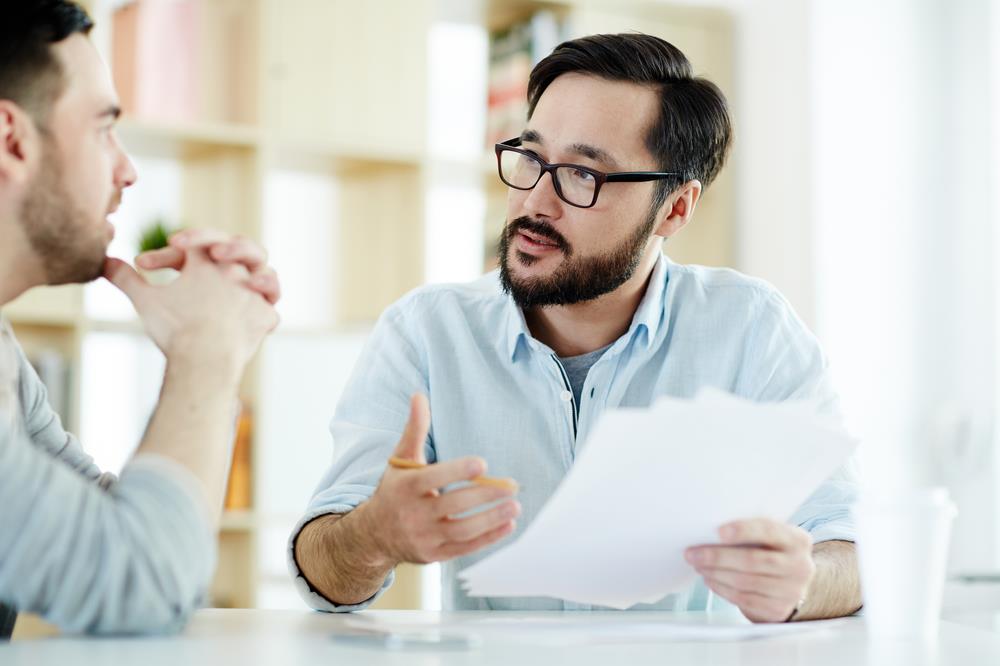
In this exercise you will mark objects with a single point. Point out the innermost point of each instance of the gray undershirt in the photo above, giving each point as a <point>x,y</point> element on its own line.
<point>577,367</point>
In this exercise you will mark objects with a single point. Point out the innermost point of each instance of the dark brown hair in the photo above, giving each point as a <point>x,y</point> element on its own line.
<point>30,75</point>
<point>693,132</point>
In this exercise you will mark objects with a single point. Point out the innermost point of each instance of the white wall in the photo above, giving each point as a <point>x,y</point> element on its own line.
<point>867,160</point>
<point>772,148</point>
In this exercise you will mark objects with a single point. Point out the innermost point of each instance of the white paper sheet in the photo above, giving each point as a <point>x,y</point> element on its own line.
<point>651,482</point>
<point>563,629</point>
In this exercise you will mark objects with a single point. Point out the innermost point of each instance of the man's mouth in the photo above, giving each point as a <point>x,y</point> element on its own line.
<point>538,239</point>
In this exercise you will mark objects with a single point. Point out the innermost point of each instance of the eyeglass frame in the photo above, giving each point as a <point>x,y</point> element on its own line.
<point>600,177</point>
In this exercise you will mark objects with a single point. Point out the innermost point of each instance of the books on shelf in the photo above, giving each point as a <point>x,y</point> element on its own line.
<point>184,61</point>
<point>513,53</point>
<point>239,493</point>
<point>154,59</point>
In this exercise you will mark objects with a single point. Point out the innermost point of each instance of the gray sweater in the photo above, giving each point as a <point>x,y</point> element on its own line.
<point>86,551</point>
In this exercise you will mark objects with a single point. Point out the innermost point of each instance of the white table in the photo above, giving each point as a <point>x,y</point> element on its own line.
<point>250,637</point>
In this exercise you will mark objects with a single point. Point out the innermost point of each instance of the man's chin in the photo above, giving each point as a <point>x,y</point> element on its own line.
<point>82,271</point>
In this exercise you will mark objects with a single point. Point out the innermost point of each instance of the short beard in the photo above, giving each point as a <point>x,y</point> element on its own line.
<point>55,229</point>
<point>577,279</point>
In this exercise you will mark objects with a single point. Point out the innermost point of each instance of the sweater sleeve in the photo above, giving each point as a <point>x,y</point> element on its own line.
<point>86,552</point>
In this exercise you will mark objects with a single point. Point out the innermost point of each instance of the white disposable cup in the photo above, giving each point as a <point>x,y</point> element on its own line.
<point>903,553</point>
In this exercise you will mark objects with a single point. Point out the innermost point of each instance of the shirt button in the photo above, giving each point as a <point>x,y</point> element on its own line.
<point>566,396</point>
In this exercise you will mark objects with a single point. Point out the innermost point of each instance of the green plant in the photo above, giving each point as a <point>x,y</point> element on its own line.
<point>155,236</point>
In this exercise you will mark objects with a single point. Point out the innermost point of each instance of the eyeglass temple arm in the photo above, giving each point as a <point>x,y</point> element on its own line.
<point>640,176</point>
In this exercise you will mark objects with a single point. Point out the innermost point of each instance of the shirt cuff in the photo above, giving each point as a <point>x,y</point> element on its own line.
<point>308,593</point>
<point>833,531</point>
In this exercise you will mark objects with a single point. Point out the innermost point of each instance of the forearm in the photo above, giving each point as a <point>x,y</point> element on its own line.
<point>193,422</point>
<point>136,559</point>
<point>835,590</point>
<point>340,557</point>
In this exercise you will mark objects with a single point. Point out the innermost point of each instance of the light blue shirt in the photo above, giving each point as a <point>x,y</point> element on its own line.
<point>497,392</point>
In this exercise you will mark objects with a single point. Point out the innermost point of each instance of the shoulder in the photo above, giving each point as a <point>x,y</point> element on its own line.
<point>19,382</point>
<point>724,288</point>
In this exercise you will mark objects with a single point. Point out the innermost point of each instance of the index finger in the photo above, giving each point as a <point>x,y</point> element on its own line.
<point>240,251</point>
<point>195,237</point>
<point>764,532</point>
<point>167,257</point>
<point>442,474</point>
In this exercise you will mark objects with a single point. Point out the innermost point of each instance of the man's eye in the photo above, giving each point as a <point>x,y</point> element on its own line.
<point>583,176</point>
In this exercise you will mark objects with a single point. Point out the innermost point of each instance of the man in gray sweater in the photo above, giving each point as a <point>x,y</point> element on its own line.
<point>85,550</point>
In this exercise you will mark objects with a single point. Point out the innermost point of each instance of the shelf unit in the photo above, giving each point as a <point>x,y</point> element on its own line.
<point>312,135</point>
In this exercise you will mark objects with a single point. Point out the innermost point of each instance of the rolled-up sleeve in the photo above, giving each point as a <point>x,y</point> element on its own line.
<point>366,427</point>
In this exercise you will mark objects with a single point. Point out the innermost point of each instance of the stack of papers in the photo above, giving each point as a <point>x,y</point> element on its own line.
<point>650,483</point>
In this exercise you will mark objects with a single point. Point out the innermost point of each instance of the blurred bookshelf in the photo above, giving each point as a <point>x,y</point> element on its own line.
<point>354,141</point>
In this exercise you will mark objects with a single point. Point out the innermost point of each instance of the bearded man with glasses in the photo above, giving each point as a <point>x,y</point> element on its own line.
<point>586,313</point>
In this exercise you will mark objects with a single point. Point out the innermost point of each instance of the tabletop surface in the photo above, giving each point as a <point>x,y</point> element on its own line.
<point>301,637</point>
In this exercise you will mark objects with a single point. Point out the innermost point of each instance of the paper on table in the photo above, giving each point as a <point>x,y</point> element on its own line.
<point>650,483</point>
<point>588,628</point>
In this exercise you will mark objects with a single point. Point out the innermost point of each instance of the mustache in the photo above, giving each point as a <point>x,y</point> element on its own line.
<point>543,229</point>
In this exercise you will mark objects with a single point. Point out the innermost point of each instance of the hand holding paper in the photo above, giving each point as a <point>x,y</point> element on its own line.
<point>678,471</point>
<point>762,565</point>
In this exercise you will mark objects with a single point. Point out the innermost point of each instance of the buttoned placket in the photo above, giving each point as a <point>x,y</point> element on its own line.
<point>577,426</point>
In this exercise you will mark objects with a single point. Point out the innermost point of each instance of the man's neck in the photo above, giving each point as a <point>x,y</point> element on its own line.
<point>19,271</point>
<point>571,330</point>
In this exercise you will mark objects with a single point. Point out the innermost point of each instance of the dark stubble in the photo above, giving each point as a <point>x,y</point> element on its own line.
<point>578,278</point>
<point>60,234</point>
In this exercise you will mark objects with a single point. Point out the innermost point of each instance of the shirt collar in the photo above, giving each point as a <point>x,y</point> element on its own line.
<point>648,316</point>
<point>518,334</point>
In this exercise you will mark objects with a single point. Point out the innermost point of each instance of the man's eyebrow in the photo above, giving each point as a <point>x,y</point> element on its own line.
<point>531,136</point>
<point>114,112</point>
<point>583,149</point>
<point>594,153</point>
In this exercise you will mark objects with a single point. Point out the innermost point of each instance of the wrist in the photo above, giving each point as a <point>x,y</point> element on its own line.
<point>219,372</point>
<point>795,611</point>
<point>377,549</point>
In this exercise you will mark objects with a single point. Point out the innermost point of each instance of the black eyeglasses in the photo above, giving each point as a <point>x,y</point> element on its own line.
<point>576,185</point>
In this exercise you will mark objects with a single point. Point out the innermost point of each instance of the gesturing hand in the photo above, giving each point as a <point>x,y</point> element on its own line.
<point>414,521</point>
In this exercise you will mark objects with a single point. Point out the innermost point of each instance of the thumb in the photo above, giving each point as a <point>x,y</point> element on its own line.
<point>411,444</point>
<point>123,276</point>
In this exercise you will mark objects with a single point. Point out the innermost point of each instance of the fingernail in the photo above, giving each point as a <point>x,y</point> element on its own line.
<point>727,532</point>
<point>512,510</point>
<point>693,556</point>
<point>475,466</point>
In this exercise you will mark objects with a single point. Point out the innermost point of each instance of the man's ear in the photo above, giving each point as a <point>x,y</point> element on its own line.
<point>19,143</point>
<point>678,209</point>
